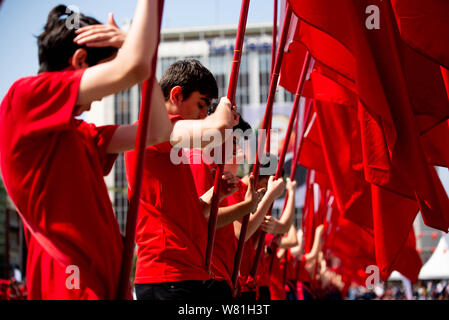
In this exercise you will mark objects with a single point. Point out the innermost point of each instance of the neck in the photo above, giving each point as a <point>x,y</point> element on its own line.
<point>245,180</point>
<point>171,108</point>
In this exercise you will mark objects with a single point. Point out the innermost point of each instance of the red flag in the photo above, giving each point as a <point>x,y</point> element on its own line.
<point>338,140</point>
<point>424,25</point>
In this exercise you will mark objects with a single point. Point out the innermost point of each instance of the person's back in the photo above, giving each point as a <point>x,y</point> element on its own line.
<point>53,164</point>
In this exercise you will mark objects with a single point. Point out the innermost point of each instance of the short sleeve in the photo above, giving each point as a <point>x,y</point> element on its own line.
<point>46,102</point>
<point>200,171</point>
<point>102,137</point>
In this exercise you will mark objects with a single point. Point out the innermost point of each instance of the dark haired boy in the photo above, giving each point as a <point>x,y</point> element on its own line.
<point>53,164</point>
<point>203,169</point>
<point>172,221</point>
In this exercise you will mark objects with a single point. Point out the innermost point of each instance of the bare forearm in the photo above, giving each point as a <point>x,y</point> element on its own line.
<point>286,219</point>
<point>141,41</point>
<point>207,132</point>
<point>317,242</point>
<point>291,240</point>
<point>227,215</point>
<point>257,218</point>
<point>133,62</point>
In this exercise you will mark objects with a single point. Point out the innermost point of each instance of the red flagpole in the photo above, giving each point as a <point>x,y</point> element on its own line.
<point>274,33</point>
<point>273,61</point>
<point>295,162</point>
<point>231,96</point>
<point>131,219</point>
<point>302,79</point>
<point>261,147</point>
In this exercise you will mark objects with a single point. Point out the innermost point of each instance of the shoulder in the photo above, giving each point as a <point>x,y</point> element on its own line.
<point>45,82</point>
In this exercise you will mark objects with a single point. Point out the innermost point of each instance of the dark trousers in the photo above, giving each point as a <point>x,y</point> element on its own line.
<point>264,293</point>
<point>248,296</point>
<point>218,291</point>
<point>179,290</point>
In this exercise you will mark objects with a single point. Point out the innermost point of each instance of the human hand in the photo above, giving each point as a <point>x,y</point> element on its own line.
<point>271,225</point>
<point>228,184</point>
<point>101,35</point>
<point>252,197</point>
<point>226,113</point>
<point>275,187</point>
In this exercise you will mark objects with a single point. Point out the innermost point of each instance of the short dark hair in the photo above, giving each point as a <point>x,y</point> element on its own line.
<point>56,44</point>
<point>242,125</point>
<point>191,76</point>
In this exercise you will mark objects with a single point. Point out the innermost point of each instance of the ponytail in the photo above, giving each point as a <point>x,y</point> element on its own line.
<point>56,45</point>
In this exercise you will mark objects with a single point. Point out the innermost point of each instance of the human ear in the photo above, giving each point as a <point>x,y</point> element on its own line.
<point>176,95</point>
<point>78,60</point>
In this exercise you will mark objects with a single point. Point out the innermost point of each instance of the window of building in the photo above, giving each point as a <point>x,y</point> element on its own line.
<point>122,116</point>
<point>264,73</point>
<point>217,65</point>
<point>242,93</point>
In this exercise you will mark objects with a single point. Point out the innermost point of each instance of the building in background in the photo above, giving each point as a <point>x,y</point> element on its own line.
<point>214,47</point>
<point>12,241</point>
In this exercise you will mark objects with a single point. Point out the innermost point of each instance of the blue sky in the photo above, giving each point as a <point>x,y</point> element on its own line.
<point>21,20</point>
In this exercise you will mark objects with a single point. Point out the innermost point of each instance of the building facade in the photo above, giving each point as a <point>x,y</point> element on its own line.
<point>214,47</point>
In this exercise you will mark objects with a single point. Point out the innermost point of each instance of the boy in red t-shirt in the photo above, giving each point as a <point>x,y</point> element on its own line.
<point>274,190</point>
<point>53,164</point>
<point>202,167</point>
<point>172,221</point>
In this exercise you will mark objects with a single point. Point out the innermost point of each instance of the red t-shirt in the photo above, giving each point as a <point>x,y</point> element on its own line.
<point>171,227</point>
<point>276,284</point>
<point>245,281</point>
<point>53,167</point>
<point>263,275</point>
<point>224,246</point>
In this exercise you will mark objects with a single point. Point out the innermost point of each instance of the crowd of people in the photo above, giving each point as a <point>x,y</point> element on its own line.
<point>422,290</point>
<point>53,165</point>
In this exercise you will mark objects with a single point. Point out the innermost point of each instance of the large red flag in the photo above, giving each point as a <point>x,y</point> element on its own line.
<point>424,25</point>
<point>337,127</point>
<point>401,95</point>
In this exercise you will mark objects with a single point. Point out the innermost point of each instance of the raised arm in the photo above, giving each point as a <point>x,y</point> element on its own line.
<point>133,62</point>
<point>274,190</point>
<point>229,214</point>
<point>210,131</point>
<point>290,240</point>
<point>282,225</point>
<point>131,66</point>
<point>317,243</point>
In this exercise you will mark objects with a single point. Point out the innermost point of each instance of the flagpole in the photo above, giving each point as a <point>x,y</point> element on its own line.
<point>302,79</point>
<point>273,61</point>
<point>261,146</point>
<point>131,219</point>
<point>295,162</point>
<point>231,96</point>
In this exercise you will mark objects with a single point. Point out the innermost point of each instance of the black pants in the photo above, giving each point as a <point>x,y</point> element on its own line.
<point>218,291</point>
<point>248,296</point>
<point>264,294</point>
<point>179,290</point>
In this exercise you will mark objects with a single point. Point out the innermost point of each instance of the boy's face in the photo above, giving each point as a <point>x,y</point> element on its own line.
<point>262,182</point>
<point>195,107</point>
